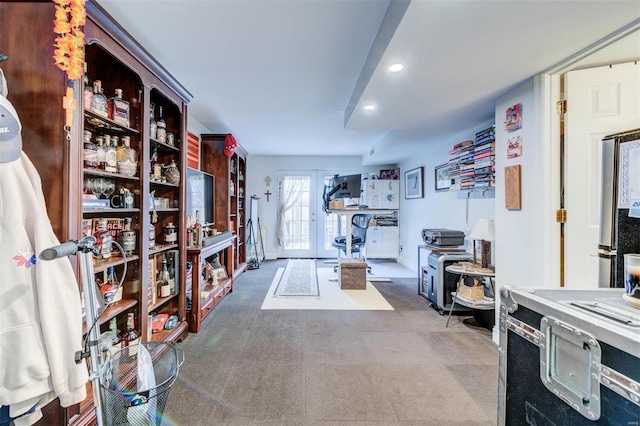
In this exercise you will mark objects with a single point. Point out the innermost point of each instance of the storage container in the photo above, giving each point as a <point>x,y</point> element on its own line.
<point>568,357</point>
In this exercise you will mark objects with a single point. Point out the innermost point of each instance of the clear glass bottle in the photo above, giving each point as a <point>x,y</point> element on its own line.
<point>101,153</point>
<point>103,239</point>
<point>110,295</point>
<point>126,157</point>
<point>152,232</point>
<point>164,287</point>
<point>128,237</point>
<point>189,232</point>
<point>131,336</point>
<point>89,152</point>
<point>197,231</point>
<point>100,103</point>
<point>161,131</point>
<point>156,167</point>
<point>87,92</point>
<point>111,164</point>
<point>119,109</point>
<point>113,327</point>
<point>153,126</point>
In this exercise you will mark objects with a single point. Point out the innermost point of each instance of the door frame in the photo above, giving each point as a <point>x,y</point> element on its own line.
<point>548,92</point>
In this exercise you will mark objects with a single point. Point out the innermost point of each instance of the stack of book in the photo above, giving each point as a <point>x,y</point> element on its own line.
<point>460,153</point>
<point>484,158</point>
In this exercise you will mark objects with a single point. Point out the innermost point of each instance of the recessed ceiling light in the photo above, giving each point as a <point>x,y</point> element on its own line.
<point>369,107</point>
<point>396,67</point>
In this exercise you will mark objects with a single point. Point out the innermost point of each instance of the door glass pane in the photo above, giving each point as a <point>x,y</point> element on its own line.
<point>331,224</point>
<point>298,218</point>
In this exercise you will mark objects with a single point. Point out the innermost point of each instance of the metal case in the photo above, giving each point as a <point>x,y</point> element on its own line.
<point>443,237</point>
<point>568,357</point>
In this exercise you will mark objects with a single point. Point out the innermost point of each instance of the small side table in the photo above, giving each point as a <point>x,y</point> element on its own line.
<point>475,272</point>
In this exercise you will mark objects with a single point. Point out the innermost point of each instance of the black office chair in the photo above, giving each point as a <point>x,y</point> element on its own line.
<point>359,225</point>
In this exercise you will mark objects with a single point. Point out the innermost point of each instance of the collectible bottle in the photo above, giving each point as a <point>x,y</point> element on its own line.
<point>87,93</point>
<point>113,327</point>
<point>131,336</point>
<point>153,128</point>
<point>126,158</point>
<point>197,231</point>
<point>89,152</point>
<point>119,109</point>
<point>103,239</point>
<point>101,153</point>
<point>111,164</point>
<point>100,103</point>
<point>170,234</point>
<point>152,232</point>
<point>164,289</point>
<point>128,237</point>
<point>161,130</point>
<point>156,167</point>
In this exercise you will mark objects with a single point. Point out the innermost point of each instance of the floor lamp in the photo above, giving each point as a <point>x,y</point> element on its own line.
<point>483,232</point>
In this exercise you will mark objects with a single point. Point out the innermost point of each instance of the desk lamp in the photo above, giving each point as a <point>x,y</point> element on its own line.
<point>483,232</point>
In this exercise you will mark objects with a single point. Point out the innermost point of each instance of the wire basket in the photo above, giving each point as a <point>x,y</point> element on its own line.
<point>127,398</point>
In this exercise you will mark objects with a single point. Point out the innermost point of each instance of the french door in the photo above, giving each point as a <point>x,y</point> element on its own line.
<point>305,231</point>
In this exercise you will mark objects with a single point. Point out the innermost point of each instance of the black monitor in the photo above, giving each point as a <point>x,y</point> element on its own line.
<point>348,186</point>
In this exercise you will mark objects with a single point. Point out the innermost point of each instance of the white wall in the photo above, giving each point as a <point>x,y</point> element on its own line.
<point>195,127</point>
<point>261,166</point>
<point>524,238</point>
<point>437,209</point>
<point>527,240</point>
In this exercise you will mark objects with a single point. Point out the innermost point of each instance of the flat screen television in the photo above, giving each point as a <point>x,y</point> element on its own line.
<point>200,195</point>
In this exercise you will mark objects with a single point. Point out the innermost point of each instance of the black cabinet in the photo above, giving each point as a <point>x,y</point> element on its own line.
<point>438,284</point>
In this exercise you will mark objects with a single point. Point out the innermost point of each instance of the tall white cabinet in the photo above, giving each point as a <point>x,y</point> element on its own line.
<point>383,239</point>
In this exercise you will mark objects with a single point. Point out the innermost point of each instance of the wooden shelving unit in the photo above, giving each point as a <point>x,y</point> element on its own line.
<point>116,59</point>
<point>231,198</point>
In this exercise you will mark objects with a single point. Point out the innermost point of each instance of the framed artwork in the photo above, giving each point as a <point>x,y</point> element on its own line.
<point>413,183</point>
<point>442,179</point>
<point>513,118</point>
<point>512,195</point>
<point>389,174</point>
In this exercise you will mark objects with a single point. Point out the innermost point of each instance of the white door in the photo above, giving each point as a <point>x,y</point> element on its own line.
<point>308,231</point>
<point>600,101</point>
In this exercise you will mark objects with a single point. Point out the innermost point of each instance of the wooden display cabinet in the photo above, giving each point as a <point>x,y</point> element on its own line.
<point>36,88</point>
<point>231,198</point>
<point>205,287</point>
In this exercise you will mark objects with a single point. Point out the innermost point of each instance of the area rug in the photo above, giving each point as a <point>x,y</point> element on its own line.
<point>331,296</point>
<point>298,280</point>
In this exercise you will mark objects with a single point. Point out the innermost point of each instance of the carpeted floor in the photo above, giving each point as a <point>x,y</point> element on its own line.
<point>321,367</point>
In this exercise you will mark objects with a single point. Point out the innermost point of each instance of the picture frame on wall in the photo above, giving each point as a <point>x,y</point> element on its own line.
<point>413,183</point>
<point>442,179</point>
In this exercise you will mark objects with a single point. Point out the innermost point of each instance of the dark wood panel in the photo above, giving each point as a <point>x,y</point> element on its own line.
<point>30,72</point>
<point>215,162</point>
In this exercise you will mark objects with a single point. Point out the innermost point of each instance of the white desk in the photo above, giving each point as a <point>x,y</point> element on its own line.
<point>349,215</point>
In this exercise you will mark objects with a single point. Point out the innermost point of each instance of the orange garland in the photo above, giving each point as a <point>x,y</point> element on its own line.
<point>69,46</point>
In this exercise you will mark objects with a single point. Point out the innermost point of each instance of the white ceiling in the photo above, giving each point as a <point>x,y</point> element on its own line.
<point>290,77</point>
